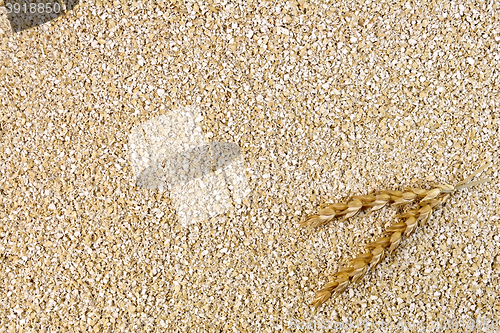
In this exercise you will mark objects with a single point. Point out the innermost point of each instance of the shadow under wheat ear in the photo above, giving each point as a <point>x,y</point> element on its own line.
<point>428,201</point>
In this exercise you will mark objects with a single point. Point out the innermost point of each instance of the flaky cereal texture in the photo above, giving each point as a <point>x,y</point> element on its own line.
<point>316,102</point>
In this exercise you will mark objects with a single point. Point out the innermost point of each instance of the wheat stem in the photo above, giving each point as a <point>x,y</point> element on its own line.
<point>477,182</point>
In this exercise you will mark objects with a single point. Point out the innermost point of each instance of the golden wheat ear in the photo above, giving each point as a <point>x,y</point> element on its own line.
<point>355,205</point>
<point>428,201</point>
<point>373,202</point>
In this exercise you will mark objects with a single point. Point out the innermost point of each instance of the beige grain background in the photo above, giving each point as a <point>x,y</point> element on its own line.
<point>324,100</point>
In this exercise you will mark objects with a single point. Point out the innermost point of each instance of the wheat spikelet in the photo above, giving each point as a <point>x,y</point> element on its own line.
<point>428,201</point>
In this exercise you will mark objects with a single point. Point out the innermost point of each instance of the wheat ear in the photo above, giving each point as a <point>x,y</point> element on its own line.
<point>377,250</point>
<point>377,201</point>
<point>372,202</point>
<point>356,204</point>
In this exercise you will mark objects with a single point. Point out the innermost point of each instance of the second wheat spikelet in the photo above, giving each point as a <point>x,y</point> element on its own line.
<point>428,201</point>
